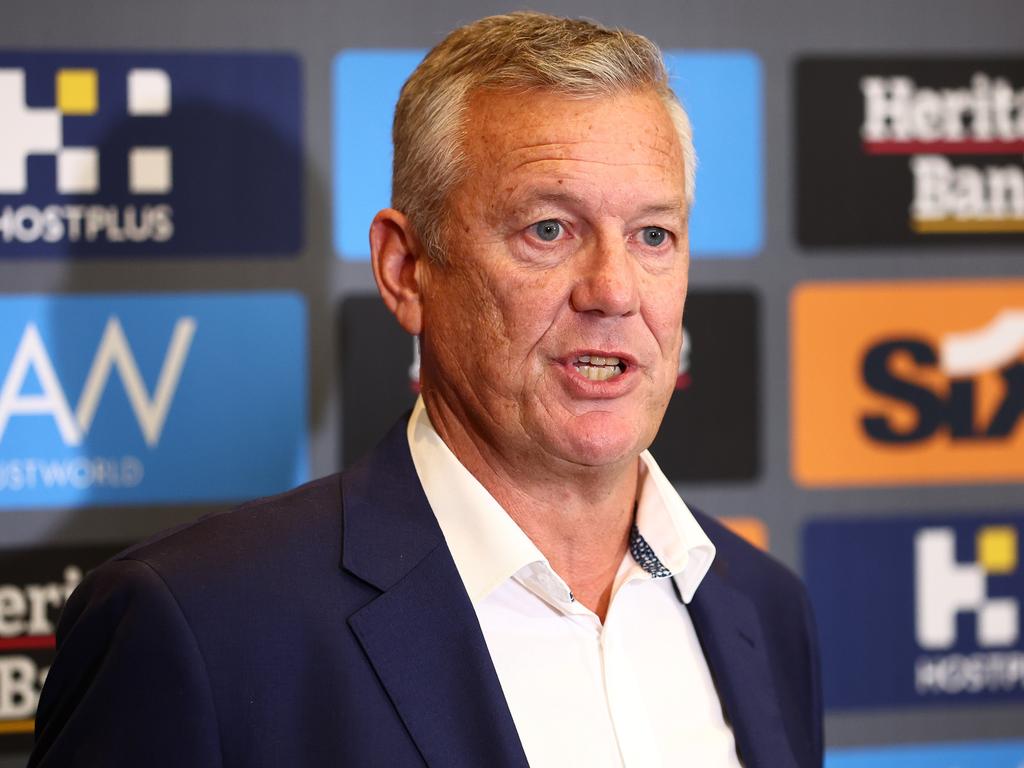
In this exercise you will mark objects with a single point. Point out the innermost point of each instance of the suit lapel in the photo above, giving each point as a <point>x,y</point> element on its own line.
<point>730,634</point>
<point>421,634</point>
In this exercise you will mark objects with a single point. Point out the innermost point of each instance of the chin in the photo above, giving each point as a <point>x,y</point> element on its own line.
<point>600,440</point>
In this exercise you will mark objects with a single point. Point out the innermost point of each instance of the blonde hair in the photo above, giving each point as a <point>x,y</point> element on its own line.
<point>516,51</point>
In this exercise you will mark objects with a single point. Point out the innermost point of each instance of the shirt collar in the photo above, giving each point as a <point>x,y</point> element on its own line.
<point>489,548</point>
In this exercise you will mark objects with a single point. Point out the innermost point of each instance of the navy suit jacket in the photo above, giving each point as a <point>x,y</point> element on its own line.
<point>328,626</point>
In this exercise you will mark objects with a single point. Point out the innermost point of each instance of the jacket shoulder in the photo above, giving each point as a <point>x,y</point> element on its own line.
<point>260,533</point>
<point>745,565</point>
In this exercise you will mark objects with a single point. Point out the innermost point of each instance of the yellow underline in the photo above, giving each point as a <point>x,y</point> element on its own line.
<point>17,726</point>
<point>981,226</point>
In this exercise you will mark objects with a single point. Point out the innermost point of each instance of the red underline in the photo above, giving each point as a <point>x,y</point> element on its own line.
<point>943,147</point>
<point>27,642</point>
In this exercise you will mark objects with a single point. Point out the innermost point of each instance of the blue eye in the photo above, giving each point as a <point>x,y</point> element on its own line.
<point>654,236</point>
<point>547,230</point>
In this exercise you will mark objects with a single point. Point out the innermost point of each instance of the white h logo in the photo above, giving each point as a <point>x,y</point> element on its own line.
<point>28,131</point>
<point>943,587</point>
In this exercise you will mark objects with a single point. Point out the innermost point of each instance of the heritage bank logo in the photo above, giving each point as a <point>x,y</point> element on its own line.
<point>918,610</point>
<point>908,382</point>
<point>727,217</point>
<point>34,586</point>
<point>711,429</point>
<point>127,154</point>
<point>913,151</point>
<point>139,399</point>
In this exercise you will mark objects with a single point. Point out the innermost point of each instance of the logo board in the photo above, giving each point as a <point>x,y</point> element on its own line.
<point>34,585</point>
<point>158,154</point>
<point>910,151</point>
<point>972,754</point>
<point>711,430</point>
<point>126,399</point>
<point>908,382</point>
<point>918,611</point>
<point>727,218</point>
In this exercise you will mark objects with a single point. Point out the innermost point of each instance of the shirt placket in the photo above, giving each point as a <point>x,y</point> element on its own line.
<point>624,692</point>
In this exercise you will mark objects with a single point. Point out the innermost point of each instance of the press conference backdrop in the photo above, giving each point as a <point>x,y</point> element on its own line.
<point>187,314</point>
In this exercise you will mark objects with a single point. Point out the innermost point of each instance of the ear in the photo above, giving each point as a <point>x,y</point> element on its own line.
<point>396,255</point>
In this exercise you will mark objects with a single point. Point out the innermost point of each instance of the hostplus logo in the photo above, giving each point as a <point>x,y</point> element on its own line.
<point>918,610</point>
<point>935,125</point>
<point>113,153</point>
<point>946,589</point>
<point>27,131</point>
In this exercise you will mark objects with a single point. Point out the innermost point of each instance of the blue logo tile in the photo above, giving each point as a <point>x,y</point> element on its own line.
<point>127,399</point>
<point>980,754</point>
<point>128,154</point>
<point>918,611</point>
<point>721,91</point>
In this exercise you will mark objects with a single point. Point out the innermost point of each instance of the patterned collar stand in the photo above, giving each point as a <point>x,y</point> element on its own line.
<point>644,555</point>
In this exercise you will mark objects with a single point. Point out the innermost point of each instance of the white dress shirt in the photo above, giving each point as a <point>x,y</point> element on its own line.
<point>635,691</point>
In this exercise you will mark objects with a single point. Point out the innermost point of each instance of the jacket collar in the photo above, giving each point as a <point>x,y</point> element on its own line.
<point>729,629</point>
<point>423,638</point>
<point>421,634</point>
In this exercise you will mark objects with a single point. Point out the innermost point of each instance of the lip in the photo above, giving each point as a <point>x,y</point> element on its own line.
<point>580,386</point>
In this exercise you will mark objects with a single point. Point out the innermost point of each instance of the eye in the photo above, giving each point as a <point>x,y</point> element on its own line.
<point>653,236</point>
<point>547,230</point>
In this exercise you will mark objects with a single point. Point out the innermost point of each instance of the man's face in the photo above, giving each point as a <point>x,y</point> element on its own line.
<point>567,244</point>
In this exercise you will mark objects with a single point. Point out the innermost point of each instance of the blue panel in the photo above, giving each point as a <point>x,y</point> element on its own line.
<point>992,754</point>
<point>721,89</point>
<point>229,126</point>
<point>194,397</point>
<point>366,88</point>
<point>863,576</point>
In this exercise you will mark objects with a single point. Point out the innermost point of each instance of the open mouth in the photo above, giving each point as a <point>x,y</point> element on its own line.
<point>597,368</point>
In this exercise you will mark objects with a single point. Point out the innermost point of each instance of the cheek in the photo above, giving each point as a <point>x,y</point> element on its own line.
<point>528,308</point>
<point>664,316</point>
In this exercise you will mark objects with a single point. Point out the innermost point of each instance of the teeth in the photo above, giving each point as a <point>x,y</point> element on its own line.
<point>598,368</point>
<point>598,372</point>
<point>597,360</point>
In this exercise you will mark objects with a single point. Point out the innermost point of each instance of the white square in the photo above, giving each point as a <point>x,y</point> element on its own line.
<point>149,170</point>
<point>998,622</point>
<point>149,92</point>
<point>78,171</point>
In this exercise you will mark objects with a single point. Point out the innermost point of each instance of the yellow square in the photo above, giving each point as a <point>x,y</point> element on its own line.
<point>77,91</point>
<point>997,548</point>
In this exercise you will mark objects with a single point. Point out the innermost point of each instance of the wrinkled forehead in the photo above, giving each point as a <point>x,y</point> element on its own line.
<point>515,139</point>
<point>630,125</point>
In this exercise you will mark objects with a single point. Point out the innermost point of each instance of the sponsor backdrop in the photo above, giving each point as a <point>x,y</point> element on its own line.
<point>187,316</point>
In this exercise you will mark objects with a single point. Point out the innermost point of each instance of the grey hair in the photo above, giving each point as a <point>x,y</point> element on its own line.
<point>516,51</point>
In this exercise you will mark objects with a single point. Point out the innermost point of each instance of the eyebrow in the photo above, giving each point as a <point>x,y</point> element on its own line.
<point>537,196</point>
<point>665,209</point>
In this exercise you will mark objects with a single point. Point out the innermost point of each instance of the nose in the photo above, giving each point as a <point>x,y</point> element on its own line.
<point>607,283</point>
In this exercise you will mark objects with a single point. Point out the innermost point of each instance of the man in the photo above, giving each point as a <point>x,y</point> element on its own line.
<point>518,582</point>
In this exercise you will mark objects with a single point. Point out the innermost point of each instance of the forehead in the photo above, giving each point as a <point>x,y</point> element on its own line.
<point>515,133</point>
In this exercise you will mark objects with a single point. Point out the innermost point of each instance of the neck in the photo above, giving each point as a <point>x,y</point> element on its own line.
<point>579,517</point>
